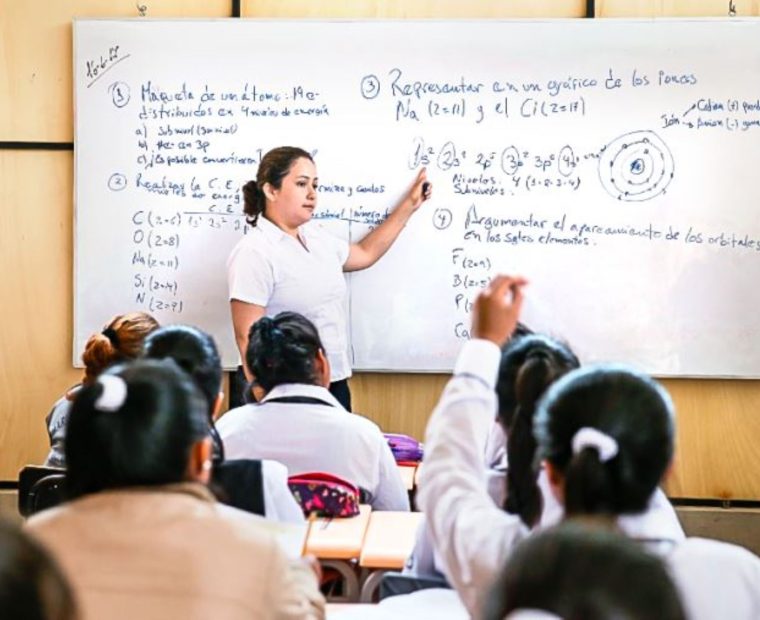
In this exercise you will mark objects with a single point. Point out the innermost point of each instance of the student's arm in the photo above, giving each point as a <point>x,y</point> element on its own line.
<point>391,491</point>
<point>243,316</point>
<point>472,535</point>
<point>368,251</point>
<point>294,591</point>
<point>279,503</point>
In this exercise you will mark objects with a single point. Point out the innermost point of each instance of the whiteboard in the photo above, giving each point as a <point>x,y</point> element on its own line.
<point>614,163</point>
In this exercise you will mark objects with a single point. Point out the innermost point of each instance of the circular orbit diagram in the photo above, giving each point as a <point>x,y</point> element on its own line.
<point>635,167</point>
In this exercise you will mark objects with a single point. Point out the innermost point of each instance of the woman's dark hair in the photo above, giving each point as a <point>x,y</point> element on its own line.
<point>529,365</point>
<point>134,426</point>
<point>195,352</point>
<point>579,573</point>
<point>121,340</point>
<point>283,350</point>
<point>32,587</point>
<point>627,406</point>
<point>273,168</point>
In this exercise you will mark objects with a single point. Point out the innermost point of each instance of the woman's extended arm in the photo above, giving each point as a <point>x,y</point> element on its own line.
<point>243,316</point>
<point>368,251</point>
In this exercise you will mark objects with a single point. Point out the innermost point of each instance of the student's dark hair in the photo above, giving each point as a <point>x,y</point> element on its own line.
<point>273,168</point>
<point>579,573</point>
<point>627,406</point>
<point>195,352</point>
<point>120,340</point>
<point>283,349</point>
<point>32,586</point>
<point>140,438</point>
<point>529,365</point>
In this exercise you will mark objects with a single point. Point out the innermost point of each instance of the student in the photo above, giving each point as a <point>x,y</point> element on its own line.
<point>257,486</point>
<point>288,263</point>
<point>32,586</point>
<point>143,537</point>
<point>579,571</point>
<point>299,423</point>
<point>121,339</point>
<point>611,468</point>
<point>528,367</point>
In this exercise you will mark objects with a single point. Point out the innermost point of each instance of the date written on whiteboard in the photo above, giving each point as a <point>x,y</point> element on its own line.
<point>96,67</point>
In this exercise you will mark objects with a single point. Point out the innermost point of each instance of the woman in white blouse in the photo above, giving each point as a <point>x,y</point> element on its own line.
<point>286,262</point>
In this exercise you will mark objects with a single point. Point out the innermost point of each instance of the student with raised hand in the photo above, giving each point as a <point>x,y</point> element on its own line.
<point>143,536</point>
<point>577,571</point>
<point>121,339</point>
<point>254,485</point>
<point>605,449</point>
<point>32,586</point>
<point>288,263</point>
<point>299,423</point>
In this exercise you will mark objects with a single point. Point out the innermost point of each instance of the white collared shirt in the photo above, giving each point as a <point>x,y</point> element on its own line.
<point>474,537</point>
<point>316,438</point>
<point>270,268</point>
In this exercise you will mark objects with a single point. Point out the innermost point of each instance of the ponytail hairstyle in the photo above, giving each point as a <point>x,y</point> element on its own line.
<point>273,168</point>
<point>283,349</point>
<point>609,431</point>
<point>135,425</point>
<point>121,340</point>
<point>529,364</point>
<point>195,352</point>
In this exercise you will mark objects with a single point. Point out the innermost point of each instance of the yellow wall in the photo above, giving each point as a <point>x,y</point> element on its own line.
<point>717,419</point>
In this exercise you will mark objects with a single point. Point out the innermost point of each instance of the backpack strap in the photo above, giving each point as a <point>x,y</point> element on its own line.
<point>302,400</point>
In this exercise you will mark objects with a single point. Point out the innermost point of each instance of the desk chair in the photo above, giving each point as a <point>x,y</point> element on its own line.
<point>40,488</point>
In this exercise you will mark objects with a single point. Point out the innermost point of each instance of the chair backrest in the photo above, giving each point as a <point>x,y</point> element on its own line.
<point>240,483</point>
<point>40,488</point>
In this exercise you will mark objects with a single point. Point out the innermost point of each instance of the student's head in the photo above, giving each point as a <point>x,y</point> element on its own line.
<point>606,434</point>
<point>139,424</point>
<point>285,187</point>
<point>121,339</point>
<point>195,352</point>
<point>32,586</point>
<point>579,573</point>
<point>529,365</point>
<point>286,349</point>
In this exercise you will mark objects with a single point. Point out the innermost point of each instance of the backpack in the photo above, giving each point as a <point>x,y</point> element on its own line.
<point>325,495</point>
<point>405,449</point>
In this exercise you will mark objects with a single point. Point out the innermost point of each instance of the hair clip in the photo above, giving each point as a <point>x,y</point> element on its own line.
<point>114,393</point>
<point>588,437</point>
<point>110,333</point>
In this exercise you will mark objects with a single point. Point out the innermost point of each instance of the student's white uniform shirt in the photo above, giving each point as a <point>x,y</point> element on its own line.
<point>279,503</point>
<point>474,537</point>
<point>270,268</point>
<point>316,437</point>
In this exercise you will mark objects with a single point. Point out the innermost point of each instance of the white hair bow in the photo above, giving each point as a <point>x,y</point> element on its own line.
<point>114,393</point>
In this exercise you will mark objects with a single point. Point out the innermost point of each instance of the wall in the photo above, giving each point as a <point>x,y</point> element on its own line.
<point>717,419</point>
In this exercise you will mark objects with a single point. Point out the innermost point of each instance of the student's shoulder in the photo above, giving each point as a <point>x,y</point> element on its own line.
<point>718,556</point>
<point>244,527</point>
<point>239,416</point>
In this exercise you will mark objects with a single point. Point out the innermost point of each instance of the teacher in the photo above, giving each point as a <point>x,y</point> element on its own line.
<point>287,262</point>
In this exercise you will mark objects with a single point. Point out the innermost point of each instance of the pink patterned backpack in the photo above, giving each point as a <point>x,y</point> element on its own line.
<point>325,494</point>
